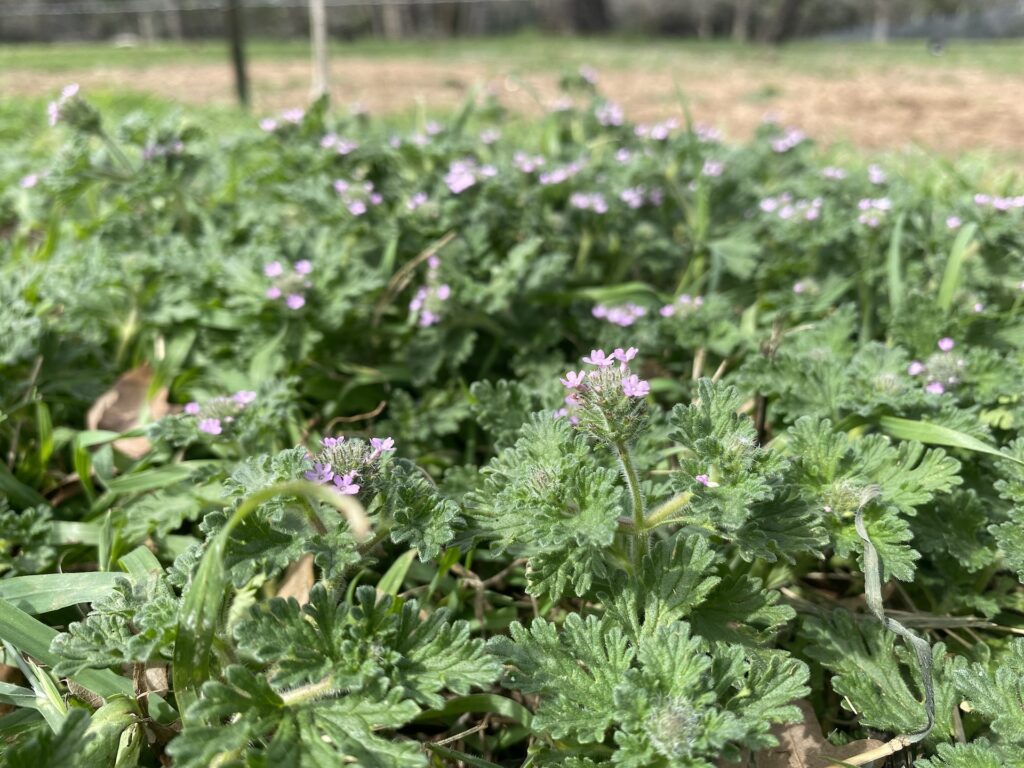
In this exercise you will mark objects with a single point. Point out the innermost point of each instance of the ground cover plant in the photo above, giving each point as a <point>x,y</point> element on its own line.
<point>498,443</point>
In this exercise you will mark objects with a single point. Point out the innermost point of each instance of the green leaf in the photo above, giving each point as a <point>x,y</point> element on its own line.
<point>962,248</point>
<point>574,671</point>
<point>49,592</point>
<point>996,696</point>
<point>894,267</point>
<point>34,638</point>
<point>391,582</point>
<point>934,434</point>
<point>21,495</point>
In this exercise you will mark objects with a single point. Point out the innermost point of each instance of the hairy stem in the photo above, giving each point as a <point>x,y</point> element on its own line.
<point>637,499</point>
<point>667,510</point>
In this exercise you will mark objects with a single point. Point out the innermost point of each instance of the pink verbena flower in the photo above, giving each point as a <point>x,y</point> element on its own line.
<point>192,409</point>
<point>934,388</point>
<point>244,397</point>
<point>346,484</point>
<point>953,222</point>
<point>946,344</point>
<point>624,356</point>
<point>916,368</point>
<point>381,445</point>
<point>295,301</point>
<point>273,292</point>
<point>320,473</point>
<point>598,358</point>
<point>210,426</point>
<point>634,386</point>
<point>332,442</point>
<point>706,481</point>
<point>303,267</point>
<point>573,379</point>
<point>273,269</point>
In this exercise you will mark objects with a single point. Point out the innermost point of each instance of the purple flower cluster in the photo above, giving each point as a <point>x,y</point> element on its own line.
<point>334,463</point>
<point>876,174</point>
<point>588,201</point>
<point>215,415</point>
<point>288,117</point>
<point>489,136</point>
<point>833,172</point>
<point>340,145</point>
<point>358,197</point>
<point>561,174</point>
<point>656,131</point>
<point>941,370</point>
<point>786,208</point>
<point>607,375</point>
<point>789,140</point>
<point>622,316</point>
<point>527,163</point>
<point>635,197</point>
<point>999,203</point>
<point>463,174</point>
<point>707,133</point>
<point>712,168</point>
<point>418,199</point>
<point>609,114</point>
<point>872,210</point>
<point>953,222</point>
<point>684,303</point>
<point>425,307</point>
<point>53,109</point>
<point>288,286</point>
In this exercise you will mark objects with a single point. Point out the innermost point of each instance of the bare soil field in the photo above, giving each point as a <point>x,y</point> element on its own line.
<point>949,110</point>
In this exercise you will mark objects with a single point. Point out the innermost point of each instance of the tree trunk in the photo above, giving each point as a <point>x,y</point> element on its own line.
<point>172,20</point>
<point>705,12</point>
<point>318,39</point>
<point>741,21</point>
<point>880,29</point>
<point>392,21</point>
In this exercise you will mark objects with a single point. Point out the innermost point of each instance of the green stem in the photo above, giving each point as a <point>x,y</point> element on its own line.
<point>311,692</point>
<point>637,499</point>
<point>665,512</point>
<point>117,153</point>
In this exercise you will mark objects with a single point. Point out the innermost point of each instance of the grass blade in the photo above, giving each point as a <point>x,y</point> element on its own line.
<point>935,434</point>
<point>895,266</point>
<point>391,581</point>
<point>962,248</point>
<point>52,591</point>
<point>199,617</point>
<point>33,637</point>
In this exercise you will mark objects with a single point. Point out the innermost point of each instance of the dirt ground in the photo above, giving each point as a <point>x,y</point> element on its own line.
<point>948,110</point>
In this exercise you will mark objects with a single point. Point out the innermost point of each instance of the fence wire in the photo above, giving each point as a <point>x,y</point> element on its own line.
<point>187,6</point>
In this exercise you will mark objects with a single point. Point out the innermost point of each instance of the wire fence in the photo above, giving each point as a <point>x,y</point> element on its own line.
<point>92,7</point>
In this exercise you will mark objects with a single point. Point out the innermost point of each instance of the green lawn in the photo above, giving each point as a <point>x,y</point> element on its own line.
<point>533,51</point>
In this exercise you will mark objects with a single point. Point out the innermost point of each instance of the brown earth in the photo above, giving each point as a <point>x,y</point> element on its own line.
<point>948,110</point>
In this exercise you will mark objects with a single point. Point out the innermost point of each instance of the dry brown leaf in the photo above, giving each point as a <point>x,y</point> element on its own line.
<point>802,745</point>
<point>124,406</point>
<point>298,580</point>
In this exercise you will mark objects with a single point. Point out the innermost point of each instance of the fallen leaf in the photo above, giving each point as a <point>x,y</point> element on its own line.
<point>802,745</point>
<point>298,580</point>
<point>124,406</point>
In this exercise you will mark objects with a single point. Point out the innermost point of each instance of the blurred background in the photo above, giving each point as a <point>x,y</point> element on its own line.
<point>946,75</point>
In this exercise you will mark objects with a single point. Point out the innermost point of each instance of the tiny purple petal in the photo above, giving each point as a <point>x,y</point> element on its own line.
<point>916,368</point>
<point>273,269</point>
<point>192,409</point>
<point>946,344</point>
<point>935,388</point>
<point>210,426</point>
<point>303,267</point>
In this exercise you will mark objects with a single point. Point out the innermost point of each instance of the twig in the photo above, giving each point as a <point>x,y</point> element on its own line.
<point>358,417</point>
<point>401,278</point>
<point>889,748</point>
<point>457,736</point>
